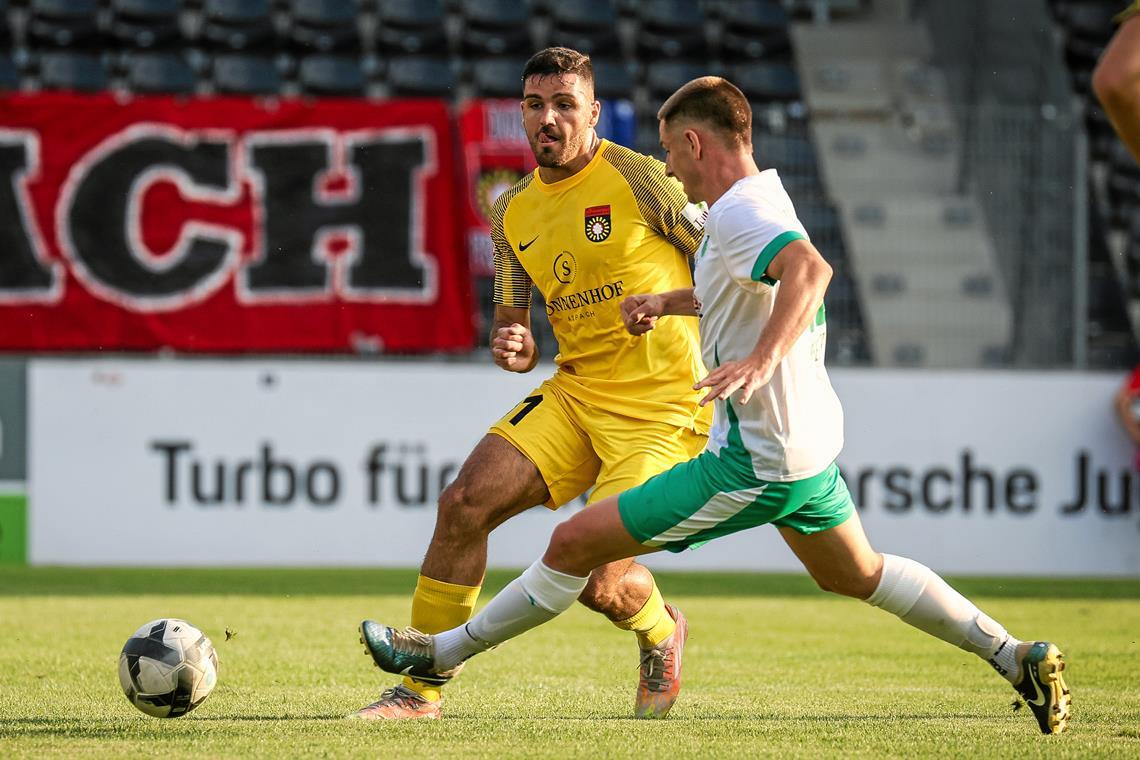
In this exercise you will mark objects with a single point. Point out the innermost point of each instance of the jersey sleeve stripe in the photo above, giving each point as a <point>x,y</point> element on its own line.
<point>512,284</point>
<point>660,199</point>
<point>1127,13</point>
<point>776,245</point>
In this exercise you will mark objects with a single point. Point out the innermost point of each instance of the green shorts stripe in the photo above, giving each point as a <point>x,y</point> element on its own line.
<point>715,495</point>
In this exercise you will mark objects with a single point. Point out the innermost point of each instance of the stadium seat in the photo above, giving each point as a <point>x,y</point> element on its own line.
<point>246,75</point>
<point>411,27</point>
<point>586,25</point>
<point>145,23</point>
<point>670,28</point>
<point>9,73</point>
<point>495,27</point>
<point>788,154</point>
<point>612,79</point>
<point>83,72</point>
<point>754,29</point>
<point>154,72</point>
<point>63,23</point>
<point>664,77</point>
<point>767,81</point>
<point>237,25</point>
<point>499,77</point>
<point>5,29</point>
<point>331,75</point>
<point>324,25</point>
<point>421,76</point>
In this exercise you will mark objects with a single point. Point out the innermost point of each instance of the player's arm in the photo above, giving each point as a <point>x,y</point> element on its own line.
<point>803,276</point>
<point>1116,81</point>
<point>512,344</point>
<point>640,312</point>
<point>1126,415</point>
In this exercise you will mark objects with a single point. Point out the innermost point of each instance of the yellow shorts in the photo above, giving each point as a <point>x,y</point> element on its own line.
<point>575,446</point>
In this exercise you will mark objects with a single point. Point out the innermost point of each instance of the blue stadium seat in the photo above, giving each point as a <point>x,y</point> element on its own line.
<point>421,76</point>
<point>331,75</point>
<point>671,28</point>
<point>145,23</point>
<point>766,82</point>
<point>237,25</point>
<point>754,29</point>
<point>495,27</point>
<point>154,72</point>
<point>499,77</point>
<point>239,74</point>
<point>63,23</point>
<point>324,25</point>
<point>586,25</point>
<point>66,70</point>
<point>411,27</point>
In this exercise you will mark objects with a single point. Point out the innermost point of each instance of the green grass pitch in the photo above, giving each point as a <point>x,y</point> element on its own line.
<point>773,668</point>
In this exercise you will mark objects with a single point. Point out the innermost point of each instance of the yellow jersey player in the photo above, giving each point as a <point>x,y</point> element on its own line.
<point>1117,79</point>
<point>594,223</point>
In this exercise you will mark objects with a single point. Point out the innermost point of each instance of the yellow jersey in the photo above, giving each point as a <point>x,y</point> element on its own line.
<point>616,228</point>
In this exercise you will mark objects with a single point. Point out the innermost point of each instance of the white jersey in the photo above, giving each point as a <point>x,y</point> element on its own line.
<point>793,426</point>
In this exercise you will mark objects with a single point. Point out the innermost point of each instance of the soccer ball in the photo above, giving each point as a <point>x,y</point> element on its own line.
<point>167,668</point>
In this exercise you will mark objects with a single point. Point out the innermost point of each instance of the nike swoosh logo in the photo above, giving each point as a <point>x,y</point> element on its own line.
<point>524,246</point>
<point>1040,701</point>
<point>405,671</point>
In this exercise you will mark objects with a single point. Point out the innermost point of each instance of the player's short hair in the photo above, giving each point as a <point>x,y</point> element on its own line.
<point>714,101</point>
<point>556,61</point>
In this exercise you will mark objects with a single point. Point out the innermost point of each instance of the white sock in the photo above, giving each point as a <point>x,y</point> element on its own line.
<point>921,598</point>
<point>535,597</point>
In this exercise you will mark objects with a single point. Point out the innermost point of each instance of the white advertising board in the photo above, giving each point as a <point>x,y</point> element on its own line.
<point>143,462</point>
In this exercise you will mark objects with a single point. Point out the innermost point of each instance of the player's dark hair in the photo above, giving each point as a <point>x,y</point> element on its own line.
<point>556,61</point>
<point>713,101</point>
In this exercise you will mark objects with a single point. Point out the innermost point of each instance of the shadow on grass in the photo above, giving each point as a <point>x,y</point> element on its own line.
<point>74,581</point>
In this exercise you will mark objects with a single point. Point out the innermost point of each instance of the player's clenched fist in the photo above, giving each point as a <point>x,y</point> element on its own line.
<point>639,313</point>
<point>513,348</point>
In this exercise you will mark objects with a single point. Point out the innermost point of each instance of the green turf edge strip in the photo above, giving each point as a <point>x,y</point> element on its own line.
<point>13,529</point>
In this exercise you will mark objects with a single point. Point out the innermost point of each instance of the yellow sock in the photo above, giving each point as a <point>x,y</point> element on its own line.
<point>652,623</point>
<point>437,607</point>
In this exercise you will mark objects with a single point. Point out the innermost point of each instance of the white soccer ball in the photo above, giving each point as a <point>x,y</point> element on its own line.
<point>167,668</point>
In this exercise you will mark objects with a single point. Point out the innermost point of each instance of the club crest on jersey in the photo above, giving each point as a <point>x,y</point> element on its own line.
<point>598,225</point>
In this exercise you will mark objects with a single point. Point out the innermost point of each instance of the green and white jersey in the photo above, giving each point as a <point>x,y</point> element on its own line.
<point>793,426</point>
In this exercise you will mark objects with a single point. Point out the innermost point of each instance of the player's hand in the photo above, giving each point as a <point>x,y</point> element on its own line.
<point>639,313</point>
<point>746,376</point>
<point>512,348</point>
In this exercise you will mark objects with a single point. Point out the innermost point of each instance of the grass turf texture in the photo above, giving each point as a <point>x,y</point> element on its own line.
<point>773,668</point>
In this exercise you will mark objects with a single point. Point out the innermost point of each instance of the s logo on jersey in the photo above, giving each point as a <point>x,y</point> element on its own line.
<point>565,267</point>
<point>598,225</point>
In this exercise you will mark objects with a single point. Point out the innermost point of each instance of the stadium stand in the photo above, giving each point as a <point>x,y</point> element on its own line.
<point>870,147</point>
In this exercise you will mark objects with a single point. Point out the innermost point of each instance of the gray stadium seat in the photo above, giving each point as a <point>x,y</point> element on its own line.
<point>63,23</point>
<point>767,81</point>
<point>324,25</point>
<point>411,27</point>
<point>754,29</point>
<point>5,30</point>
<point>495,27</point>
<point>664,77</point>
<point>9,73</point>
<point>499,77</point>
<point>145,23</point>
<point>154,72</point>
<point>586,25</point>
<point>331,75</point>
<point>239,74</point>
<point>671,28</point>
<point>237,25</point>
<point>612,79</point>
<point>83,72</point>
<point>420,76</point>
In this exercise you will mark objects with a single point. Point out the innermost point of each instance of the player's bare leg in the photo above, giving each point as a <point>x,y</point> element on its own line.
<point>842,561</point>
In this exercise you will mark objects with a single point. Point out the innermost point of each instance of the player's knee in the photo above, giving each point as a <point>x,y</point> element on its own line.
<point>565,548</point>
<point>857,584</point>
<point>461,512</point>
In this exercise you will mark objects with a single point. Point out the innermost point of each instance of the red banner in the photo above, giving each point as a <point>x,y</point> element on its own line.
<point>229,225</point>
<point>496,155</point>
